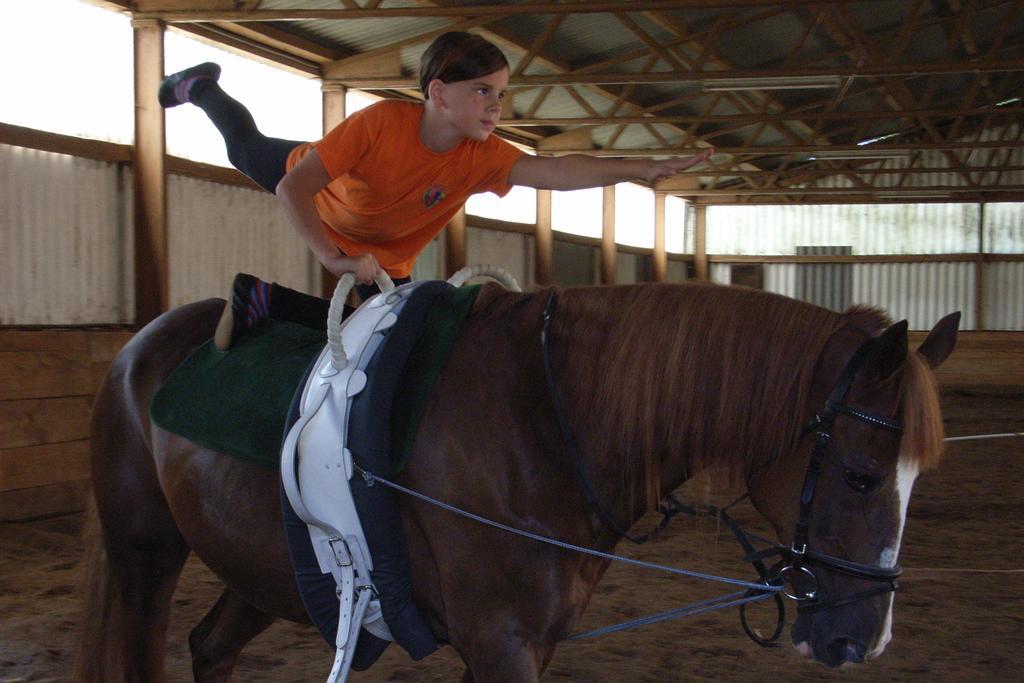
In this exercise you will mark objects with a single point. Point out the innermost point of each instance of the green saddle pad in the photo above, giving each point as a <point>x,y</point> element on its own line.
<point>236,402</point>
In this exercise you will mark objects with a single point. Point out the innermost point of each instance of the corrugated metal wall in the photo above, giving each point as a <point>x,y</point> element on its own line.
<point>1004,228</point>
<point>71,271</point>
<point>512,251</point>
<point>868,229</point>
<point>430,264</point>
<point>825,284</point>
<point>920,292</point>
<point>218,230</point>
<point>66,245</point>
<point>1004,298</point>
<point>675,271</point>
<point>626,268</point>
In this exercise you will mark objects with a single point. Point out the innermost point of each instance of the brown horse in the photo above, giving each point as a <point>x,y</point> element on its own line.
<point>658,383</point>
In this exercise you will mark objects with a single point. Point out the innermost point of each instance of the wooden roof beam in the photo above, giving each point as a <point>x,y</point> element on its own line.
<point>808,171</point>
<point>752,118</point>
<point>900,91</point>
<point>168,10</point>
<point>802,149</point>
<point>668,185</point>
<point>585,76</point>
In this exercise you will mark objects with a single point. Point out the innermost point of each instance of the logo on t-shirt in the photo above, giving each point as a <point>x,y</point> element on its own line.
<point>433,195</point>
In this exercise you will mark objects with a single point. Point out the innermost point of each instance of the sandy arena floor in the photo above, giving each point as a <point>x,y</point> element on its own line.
<point>959,617</point>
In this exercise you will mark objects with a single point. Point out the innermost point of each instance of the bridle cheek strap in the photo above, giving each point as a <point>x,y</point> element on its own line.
<point>800,557</point>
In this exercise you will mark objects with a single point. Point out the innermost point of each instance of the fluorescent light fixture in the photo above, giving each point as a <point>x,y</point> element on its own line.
<point>913,194</point>
<point>844,154</point>
<point>769,83</point>
<point>880,138</point>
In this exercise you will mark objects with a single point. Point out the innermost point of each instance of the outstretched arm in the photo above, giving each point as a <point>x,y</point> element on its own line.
<point>295,192</point>
<point>578,171</point>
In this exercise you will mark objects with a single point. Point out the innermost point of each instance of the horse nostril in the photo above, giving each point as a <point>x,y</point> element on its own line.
<point>843,650</point>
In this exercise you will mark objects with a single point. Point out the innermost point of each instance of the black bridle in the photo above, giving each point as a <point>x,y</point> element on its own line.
<point>797,559</point>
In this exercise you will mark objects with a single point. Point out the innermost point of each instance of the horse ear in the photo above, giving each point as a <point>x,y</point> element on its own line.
<point>890,350</point>
<point>940,341</point>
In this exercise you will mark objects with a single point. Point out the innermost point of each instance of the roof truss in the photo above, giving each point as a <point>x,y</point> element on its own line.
<point>767,83</point>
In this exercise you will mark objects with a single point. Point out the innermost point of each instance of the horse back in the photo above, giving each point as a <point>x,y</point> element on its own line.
<point>121,438</point>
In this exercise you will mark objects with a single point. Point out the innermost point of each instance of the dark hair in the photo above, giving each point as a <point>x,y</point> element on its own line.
<point>459,56</point>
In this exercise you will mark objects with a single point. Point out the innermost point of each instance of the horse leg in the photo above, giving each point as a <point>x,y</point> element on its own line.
<point>134,555</point>
<point>218,639</point>
<point>130,581</point>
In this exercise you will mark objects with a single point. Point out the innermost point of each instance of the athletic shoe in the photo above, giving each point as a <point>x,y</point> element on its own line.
<point>247,304</point>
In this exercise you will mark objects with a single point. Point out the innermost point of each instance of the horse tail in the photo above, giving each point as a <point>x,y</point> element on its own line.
<point>133,548</point>
<point>97,658</point>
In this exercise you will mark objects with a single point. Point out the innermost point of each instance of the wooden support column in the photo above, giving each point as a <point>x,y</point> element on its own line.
<point>543,240</point>
<point>150,179</point>
<point>333,99</point>
<point>979,272</point>
<point>455,243</point>
<point>700,251</point>
<point>333,112</point>
<point>608,236</point>
<point>659,259</point>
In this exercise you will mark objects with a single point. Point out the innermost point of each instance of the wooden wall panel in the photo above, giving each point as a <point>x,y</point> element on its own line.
<point>68,496</point>
<point>49,420</point>
<point>48,378</point>
<point>982,359</point>
<point>50,463</point>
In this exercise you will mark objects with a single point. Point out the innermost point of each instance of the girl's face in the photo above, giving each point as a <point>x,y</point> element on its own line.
<point>473,107</point>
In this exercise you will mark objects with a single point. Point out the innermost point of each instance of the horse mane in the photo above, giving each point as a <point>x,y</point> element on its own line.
<point>923,432</point>
<point>736,365</point>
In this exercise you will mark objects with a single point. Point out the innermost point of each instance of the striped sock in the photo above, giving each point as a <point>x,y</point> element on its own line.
<point>259,303</point>
<point>181,90</point>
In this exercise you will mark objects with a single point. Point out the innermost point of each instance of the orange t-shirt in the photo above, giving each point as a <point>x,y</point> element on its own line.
<point>390,195</point>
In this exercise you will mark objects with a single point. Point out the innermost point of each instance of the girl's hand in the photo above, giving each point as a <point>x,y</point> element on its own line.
<point>363,266</point>
<point>669,167</point>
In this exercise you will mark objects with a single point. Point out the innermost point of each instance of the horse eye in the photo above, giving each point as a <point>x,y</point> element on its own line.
<point>858,481</point>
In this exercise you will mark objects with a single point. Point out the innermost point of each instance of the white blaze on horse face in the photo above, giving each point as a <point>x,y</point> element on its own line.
<point>906,473</point>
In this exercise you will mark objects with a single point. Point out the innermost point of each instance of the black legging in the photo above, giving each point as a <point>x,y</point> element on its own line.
<point>263,159</point>
<point>250,151</point>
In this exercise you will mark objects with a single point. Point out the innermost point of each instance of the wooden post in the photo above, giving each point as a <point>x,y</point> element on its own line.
<point>333,99</point>
<point>455,243</point>
<point>659,259</point>
<point>542,235</point>
<point>979,273</point>
<point>150,180</point>
<point>700,251</point>
<point>608,236</point>
<point>333,113</point>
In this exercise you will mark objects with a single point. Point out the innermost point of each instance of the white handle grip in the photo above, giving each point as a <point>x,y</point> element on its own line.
<point>337,309</point>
